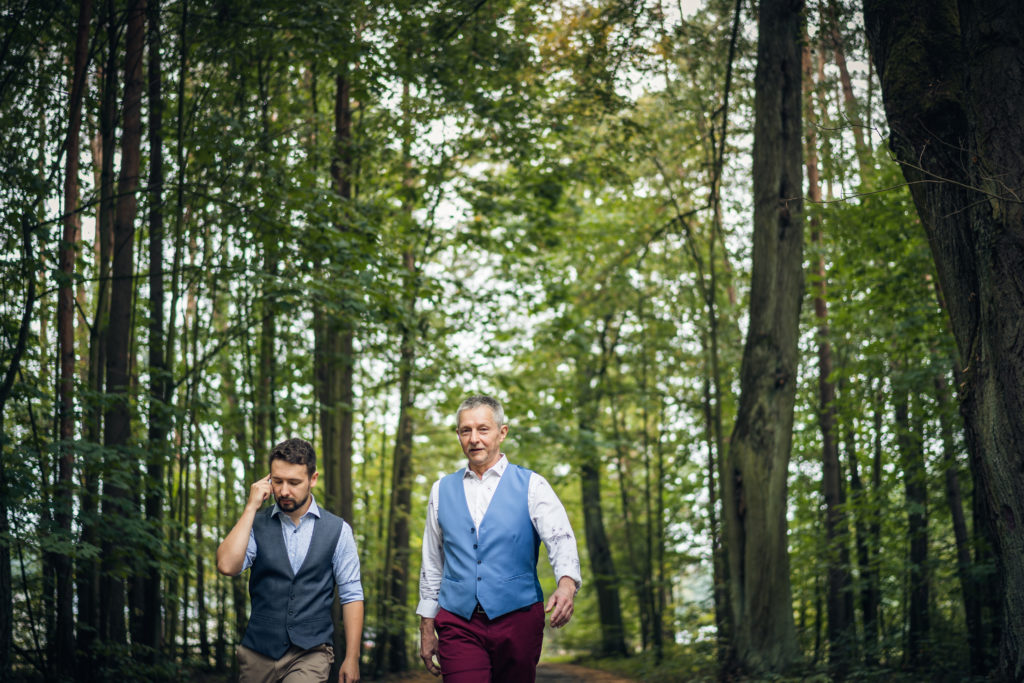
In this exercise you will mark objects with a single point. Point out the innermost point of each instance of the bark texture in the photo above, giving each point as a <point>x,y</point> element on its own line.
<point>952,76</point>
<point>754,495</point>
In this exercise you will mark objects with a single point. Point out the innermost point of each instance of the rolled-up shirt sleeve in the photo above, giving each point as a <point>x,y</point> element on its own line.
<point>552,524</point>
<point>346,567</point>
<point>432,566</point>
<point>250,552</point>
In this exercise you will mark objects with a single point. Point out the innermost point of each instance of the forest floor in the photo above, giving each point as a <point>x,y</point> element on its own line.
<point>547,672</point>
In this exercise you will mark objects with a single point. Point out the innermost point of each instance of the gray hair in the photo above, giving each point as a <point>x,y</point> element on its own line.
<point>481,400</point>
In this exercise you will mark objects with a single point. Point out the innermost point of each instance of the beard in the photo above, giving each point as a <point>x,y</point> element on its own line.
<point>289,504</point>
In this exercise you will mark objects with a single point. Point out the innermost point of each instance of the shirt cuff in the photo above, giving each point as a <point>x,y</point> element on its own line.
<point>350,592</point>
<point>428,608</point>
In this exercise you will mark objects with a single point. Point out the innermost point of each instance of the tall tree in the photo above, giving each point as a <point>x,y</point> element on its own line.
<point>969,584</point>
<point>959,141</point>
<point>335,332</point>
<point>160,386</point>
<point>392,655</point>
<point>754,492</point>
<point>833,492</point>
<point>911,447</point>
<point>338,334</point>
<point>6,386</point>
<point>590,374</point>
<point>64,637</point>
<point>88,569</point>
<point>121,467</point>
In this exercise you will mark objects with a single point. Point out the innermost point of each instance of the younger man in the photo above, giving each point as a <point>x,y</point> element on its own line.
<point>298,552</point>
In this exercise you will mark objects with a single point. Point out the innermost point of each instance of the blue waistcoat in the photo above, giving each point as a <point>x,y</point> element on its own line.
<point>289,608</point>
<point>496,567</point>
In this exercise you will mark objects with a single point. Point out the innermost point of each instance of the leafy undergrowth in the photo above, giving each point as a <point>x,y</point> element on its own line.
<point>697,663</point>
<point>679,663</point>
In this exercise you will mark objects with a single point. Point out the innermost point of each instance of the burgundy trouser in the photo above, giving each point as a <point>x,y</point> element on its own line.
<point>484,650</point>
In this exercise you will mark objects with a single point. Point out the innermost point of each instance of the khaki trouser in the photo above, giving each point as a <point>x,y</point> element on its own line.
<point>296,666</point>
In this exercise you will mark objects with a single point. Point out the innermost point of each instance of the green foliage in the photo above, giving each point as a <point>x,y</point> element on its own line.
<point>537,209</point>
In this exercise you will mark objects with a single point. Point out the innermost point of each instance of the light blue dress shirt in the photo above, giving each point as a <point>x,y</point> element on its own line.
<point>345,561</point>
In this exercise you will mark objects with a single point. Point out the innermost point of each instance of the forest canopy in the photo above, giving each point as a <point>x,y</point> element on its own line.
<point>746,276</point>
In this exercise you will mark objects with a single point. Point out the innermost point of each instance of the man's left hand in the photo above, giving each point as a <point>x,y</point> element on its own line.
<point>349,671</point>
<point>560,602</point>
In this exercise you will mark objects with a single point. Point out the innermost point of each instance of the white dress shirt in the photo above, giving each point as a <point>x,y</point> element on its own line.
<point>546,512</point>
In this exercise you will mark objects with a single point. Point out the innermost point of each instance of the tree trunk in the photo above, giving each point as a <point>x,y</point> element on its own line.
<point>121,465</point>
<point>911,450</point>
<point>713,395</point>
<point>961,143</point>
<point>723,612</point>
<point>201,608</point>
<point>64,638</point>
<point>335,337</point>
<point>860,503</point>
<point>392,651</point>
<point>969,587</point>
<point>237,441</point>
<point>6,385</point>
<point>606,579</point>
<point>88,571</point>
<point>160,386</point>
<point>853,119</point>
<point>265,410</point>
<point>341,171</point>
<point>754,493</point>
<point>858,498</point>
<point>652,526</point>
<point>590,377</point>
<point>873,601</point>
<point>838,554</point>
<point>637,568</point>
<point>666,631</point>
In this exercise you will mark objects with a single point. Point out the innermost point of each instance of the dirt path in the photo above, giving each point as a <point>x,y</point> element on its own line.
<point>571,673</point>
<point>547,672</point>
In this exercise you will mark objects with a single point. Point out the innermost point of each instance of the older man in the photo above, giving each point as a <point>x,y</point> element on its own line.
<point>481,606</point>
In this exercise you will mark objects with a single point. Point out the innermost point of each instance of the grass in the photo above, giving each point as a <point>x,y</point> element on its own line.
<point>679,663</point>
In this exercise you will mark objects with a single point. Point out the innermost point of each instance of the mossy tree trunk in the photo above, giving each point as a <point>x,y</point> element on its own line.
<point>754,492</point>
<point>952,84</point>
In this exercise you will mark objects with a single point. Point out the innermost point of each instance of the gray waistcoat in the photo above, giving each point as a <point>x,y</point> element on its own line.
<point>288,608</point>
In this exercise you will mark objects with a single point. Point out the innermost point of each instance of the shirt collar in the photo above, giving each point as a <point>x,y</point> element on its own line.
<point>314,509</point>
<point>497,469</point>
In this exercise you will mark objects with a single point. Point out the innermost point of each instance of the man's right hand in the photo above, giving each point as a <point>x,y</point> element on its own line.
<point>428,645</point>
<point>231,551</point>
<point>259,492</point>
